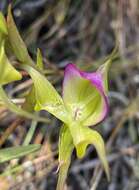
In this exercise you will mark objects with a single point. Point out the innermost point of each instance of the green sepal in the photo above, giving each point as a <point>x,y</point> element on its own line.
<point>39,60</point>
<point>7,154</point>
<point>30,100</point>
<point>47,98</point>
<point>3,26</point>
<point>103,70</point>
<point>17,44</point>
<point>65,150</point>
<point>7,72</point>
<point>82,137</point>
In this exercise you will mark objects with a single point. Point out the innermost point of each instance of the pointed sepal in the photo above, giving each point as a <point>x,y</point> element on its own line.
<point>30,101</point>
<point>3,26</point>
<point>18,46</point>
<point>7,72</point>
<point>39,60</point>
<point>47,98</point>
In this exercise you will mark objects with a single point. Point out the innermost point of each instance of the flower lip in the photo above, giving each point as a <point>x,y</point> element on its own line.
<point>96,80</point>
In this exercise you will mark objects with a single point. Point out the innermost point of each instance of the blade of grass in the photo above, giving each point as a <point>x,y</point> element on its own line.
<point>30,133</point>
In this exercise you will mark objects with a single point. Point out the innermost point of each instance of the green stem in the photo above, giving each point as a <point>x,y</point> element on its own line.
<point>62,175</point>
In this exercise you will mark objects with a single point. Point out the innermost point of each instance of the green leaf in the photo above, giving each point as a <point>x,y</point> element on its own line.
<point>7,72</point>
<point>7,154</point>
<point>30,133</point>
<point>17,44</point>
<point>65,150</point>
<point>3,27</point>
<point>47,98</point>
<point>82,137</point>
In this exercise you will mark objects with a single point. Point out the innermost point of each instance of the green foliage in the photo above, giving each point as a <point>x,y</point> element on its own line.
<point>7,154</point>
<point>9,74</point>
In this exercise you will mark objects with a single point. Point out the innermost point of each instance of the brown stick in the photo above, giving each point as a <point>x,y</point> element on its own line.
<point>9,130</point>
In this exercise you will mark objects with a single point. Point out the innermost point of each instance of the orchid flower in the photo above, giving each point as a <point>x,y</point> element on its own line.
<point>84,103</point>
<point>85,98</point>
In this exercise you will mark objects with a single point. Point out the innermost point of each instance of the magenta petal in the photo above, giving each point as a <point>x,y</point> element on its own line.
<point>76,87</point>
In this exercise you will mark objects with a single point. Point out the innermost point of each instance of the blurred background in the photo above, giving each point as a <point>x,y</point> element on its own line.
<point>84,33</point>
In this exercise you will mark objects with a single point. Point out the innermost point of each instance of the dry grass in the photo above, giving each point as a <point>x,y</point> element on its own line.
<point>82,32</point>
